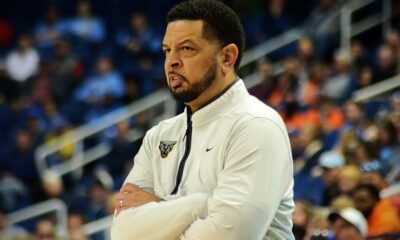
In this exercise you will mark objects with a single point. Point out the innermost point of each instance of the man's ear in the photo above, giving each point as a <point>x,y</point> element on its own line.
<point>229,56</point>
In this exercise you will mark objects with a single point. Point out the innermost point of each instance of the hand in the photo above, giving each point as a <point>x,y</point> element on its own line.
<point>130,196</point>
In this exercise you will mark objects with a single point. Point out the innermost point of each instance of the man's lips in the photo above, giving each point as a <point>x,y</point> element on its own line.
<point>175,80</point>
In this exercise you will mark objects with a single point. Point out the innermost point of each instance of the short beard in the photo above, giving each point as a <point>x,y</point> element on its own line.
<point>197,89</point>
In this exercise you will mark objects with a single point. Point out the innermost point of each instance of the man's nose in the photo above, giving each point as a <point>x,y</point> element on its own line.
<point>174,60</point>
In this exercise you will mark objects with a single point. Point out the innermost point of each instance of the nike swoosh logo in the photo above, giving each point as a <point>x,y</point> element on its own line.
<point>208,149</point>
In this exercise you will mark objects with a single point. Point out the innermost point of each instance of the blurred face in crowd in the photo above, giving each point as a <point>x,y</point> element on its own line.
<point>138,22</point>
<point>23,141</point>
<point>45,230</point>
<point>364,202</point>
<point>374,178</point>
<point>344,230</point>
<point>190,61</point>
<point>84,9</point>
<point>352,112</point>
<point>300,214</point>
<point>104,65</point>
<point>385,57</point>
<point>24,43</point>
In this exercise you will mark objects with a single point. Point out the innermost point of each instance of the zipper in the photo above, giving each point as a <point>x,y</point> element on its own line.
<point>182,163</point>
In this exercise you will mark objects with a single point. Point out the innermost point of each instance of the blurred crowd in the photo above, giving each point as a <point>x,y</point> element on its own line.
<point>67,63</point>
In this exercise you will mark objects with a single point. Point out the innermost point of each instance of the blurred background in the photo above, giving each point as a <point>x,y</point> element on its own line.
<point>81,81</point>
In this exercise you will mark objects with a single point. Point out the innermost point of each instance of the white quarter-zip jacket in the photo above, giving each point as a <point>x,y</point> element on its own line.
<point>225,173</point>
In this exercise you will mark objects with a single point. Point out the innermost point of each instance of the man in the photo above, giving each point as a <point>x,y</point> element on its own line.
<point>348,223</point>
<point>223,168</point>
<point>380,213</point>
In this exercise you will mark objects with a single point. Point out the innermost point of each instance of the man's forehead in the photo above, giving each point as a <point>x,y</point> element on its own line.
<point>183,29</point>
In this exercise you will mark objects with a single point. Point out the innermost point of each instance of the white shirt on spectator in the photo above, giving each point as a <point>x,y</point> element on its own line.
<point>22,65</point>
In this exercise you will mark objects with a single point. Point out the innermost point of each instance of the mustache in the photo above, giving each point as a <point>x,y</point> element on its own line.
<point>178,74</point>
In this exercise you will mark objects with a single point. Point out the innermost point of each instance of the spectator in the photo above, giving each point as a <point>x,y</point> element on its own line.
<point>274,21</point>
<point>381,214</point>
<point>348,223</point>
<point>387,63</point>
<point>392,39</point>
<point>22,63</point>
<point>305,53</point>
<point>85,26</point>
<point>20,161</point>
<point>66,70</point>
<point>40,91</point>
<point>389,146</point>
<point>323,27</point>
<point>48,32</point>
<point>331,163</point>
<point>348,179</point>
<point>372,173</point>
<point>301,217</point>
<point>9,231</point>
<point>267,85</point>
<point>140,47</point>
<point>75,226</point>
<point>122,151</point>
<point>340,86</point>
<point>107,82</point>
<point>45,230</point>
<point>310,89</point>
<point>13,193</point>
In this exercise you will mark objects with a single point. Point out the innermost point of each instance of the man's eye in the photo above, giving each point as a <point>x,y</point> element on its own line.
<point>187,49</point>
<point>166,50</point>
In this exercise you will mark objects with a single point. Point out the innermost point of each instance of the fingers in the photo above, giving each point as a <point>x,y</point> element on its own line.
<point>120,203</point>
<point>129,187</point>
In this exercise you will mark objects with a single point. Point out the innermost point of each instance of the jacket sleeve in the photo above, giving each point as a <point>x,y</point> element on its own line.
<point>165,220</point>
<point>257,175</point>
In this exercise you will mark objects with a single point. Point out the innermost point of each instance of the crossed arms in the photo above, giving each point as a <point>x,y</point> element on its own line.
<point>249,192</point>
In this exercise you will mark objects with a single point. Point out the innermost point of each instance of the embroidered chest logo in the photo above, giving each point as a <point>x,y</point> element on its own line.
<point>166,147</point>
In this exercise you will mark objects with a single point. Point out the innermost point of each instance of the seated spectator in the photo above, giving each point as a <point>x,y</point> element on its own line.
<point>22,63</point>
<point>9,231</point>
<point>388,145</point>
<point>122,151</point>
<point>341,84</point>
<point>139,47</point>
<point>20,161</point>
<point>45,229</point>
<point>330,163</point>
<point>332,118</point>
<point>75,225</point>
<point>322,26</point>
<point>348,179</point>
<point>347,224</point>
<point>310,89</point>
<point>274,21</point>
<point>301,217</point>
<point>381,214</point>
<point>372,173</point>
<point>85,26</point>
<point>386,64</point>
<point>317,227</point>
<point>14,194</point>
<point>392,39</point>
<point>263,90</point>
<point>107,82</point>
<point>48,32</point>
<point>66,70</point>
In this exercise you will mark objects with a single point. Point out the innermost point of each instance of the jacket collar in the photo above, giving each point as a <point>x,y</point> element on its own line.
<point>220,104</point>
